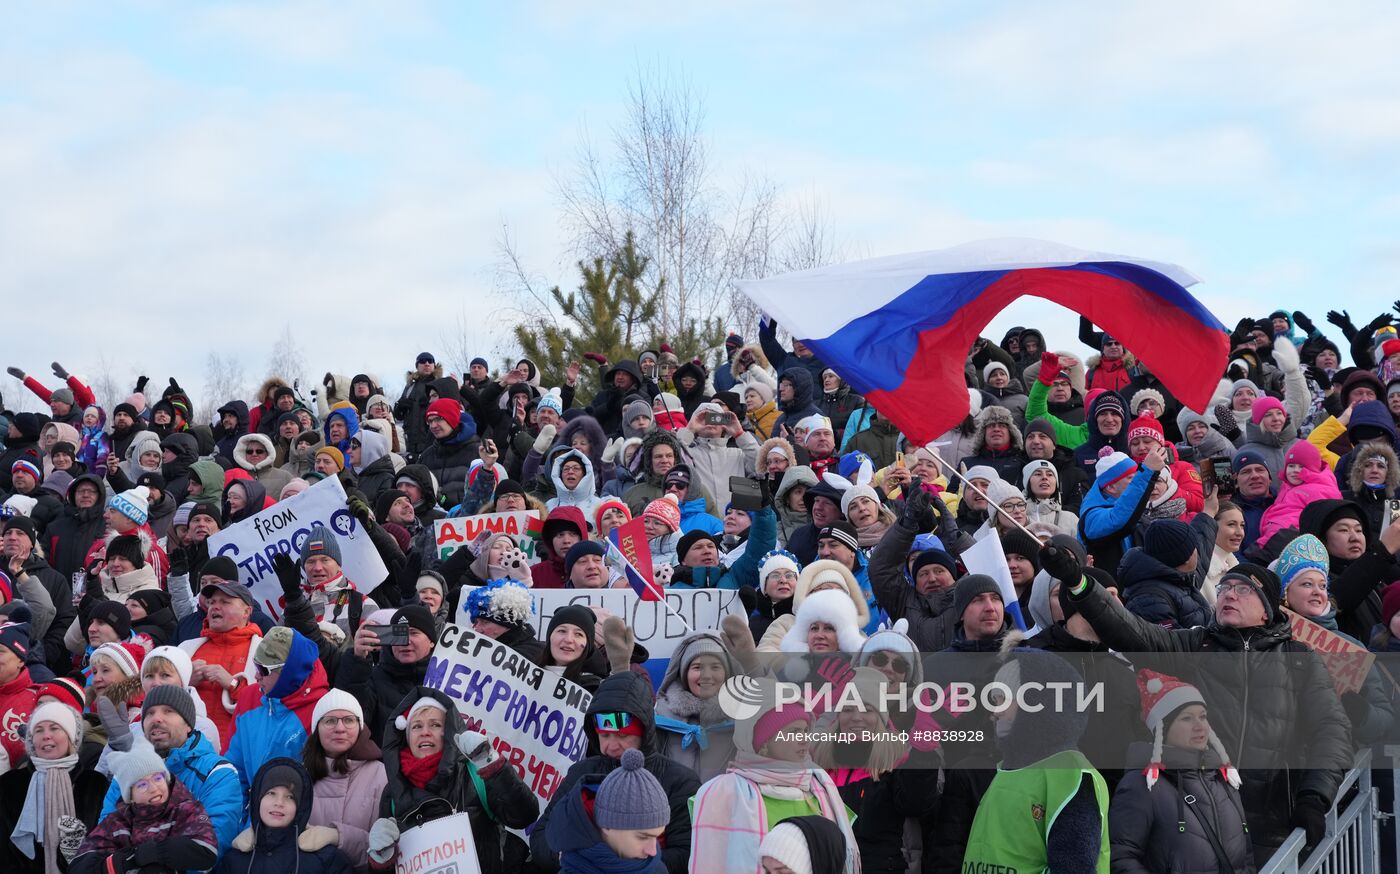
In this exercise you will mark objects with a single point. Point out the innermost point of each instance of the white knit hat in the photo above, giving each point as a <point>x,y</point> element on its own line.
<point>854,492</point>
<point>982,471</point>
<point>119,656</point>
<point>18,505</point>
<point>177,657</point>
<point>337,699</point>
<point>995,365</point>
<point>787,844</point>
<point>1032,467</point>
<point>778,559</point>
<point>62,715</point>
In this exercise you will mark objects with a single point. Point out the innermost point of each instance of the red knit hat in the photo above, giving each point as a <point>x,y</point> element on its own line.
<point>446,409</point>
<point>1162,695</point>
<point>62,689</point>
<point>1390,347</point>
<point>1146,425</point>
<point>613,504</point>
<point>666,511</point>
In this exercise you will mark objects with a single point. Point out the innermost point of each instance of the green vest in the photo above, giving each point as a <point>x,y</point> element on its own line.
<point>1014,819</point>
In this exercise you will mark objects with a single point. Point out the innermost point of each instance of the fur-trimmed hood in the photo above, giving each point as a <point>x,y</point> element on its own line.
<point>654,438</point>
<point>240,452</point>
<point>1129,361</point>
<point>270,385</point>
<point>758,358</point>
<point>776,443</point>
<point>995,415</point>
<point>597,440</point>
<point>1365,452</point>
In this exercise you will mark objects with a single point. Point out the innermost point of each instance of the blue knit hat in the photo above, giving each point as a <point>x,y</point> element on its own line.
<point>1246,457</point>
<point>1299,555</point>
<point>631,798</point>
<point>320,541</point>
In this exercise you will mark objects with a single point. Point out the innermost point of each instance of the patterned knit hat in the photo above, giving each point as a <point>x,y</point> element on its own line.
<point>778,559</point>
<point>1146,425</point>
<point>1162,695</point>
<point>506,602</point>
<point>126,656</point>
<point>666,511</point>
<point>133,503</point>
<point>28,467</point>
<point>320,541</point>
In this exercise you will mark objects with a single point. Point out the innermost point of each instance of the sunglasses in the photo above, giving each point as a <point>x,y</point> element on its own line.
<point>254,450</point>
<point>898,663</point>
<point>612,721</point>
<point>266,670</point>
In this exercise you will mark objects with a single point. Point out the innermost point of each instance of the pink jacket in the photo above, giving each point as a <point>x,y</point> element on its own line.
<point>350,804</point>
<point>1319,483</point>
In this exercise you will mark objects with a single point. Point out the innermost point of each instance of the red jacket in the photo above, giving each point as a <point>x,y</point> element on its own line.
<point>82,395</point>
<point>17,701</point>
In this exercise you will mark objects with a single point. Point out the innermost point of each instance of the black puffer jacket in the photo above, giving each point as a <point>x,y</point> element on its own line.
<point>1271,701</point>
<point>627,692</point>
<point>511,802</point>
<point>60,589</point>
<point>1155,831</point>
<point>450,459</point>
<point>89,791</point>
<point>608,402</point>
<point>884,807</point>
<point>932,623</point>
<point>70,536</point>
<point>1161,594</point>
<point>1354,584</point>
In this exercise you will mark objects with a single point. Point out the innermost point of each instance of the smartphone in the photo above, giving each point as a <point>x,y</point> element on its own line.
<point>1207,469</point>
<point>1224,476</point>
<point>391,635</point>
<point>745,494</point>
<point>716,418</point>
<point>899,460</point>
<point>1392,510</point>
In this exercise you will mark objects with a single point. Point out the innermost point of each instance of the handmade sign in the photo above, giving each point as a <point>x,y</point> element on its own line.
<point>442,846</point>
<point>283,527</point>
<point>523,525</point>
<point>1347,662</point>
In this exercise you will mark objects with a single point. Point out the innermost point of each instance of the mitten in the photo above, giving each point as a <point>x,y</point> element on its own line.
<point>317,836</point>
<point>141,383</point>
<point>618,642</point>
<point>917,508</point>
<point>1303,322</point>
<point>612,449</point>
<point>516,565</point>
<point>1286,354</point>
<point>383,839</point>
<point>71,833</point>
<point>58,370</point>
<point>546,439</point>
<point>663,574</point>
<point>477,748</point>
<point>15,372</point>
<point>596,357</point>
<point>740,639</point>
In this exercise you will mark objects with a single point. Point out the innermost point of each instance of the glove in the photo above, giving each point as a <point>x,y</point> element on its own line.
<point>1286,355</point>
<point>360,510</point>
<point>15,372</point>
<point>618,643</point>
<point>1303,322</point>
<point>58,370</point>
<point>546,439</point>
<point>1061,564</point>
<point>477,748</point>
<point>71,833</point>
<point>610,452</point>
<point>1319,376</point>
<point>1357,708</point>
<point>1340,319</point>
<point>179,562</point>
<point>383,839</point>
<point>748,596</point>
<point>1380,321</point>
<point>916,510</point>
<point>1310,815</point>
<point>317,836</point>
<point>175,387</point>
<point>1049,367</point>
<point>244,841</point>
<point>118,729</point>
<point>765,492</point>
<point>288,576</point>
<point>141,383</point>
<point>596,357</point>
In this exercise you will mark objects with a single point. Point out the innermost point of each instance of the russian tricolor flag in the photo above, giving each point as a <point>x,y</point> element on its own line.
<point>899,328</point>
<point>630,541</point>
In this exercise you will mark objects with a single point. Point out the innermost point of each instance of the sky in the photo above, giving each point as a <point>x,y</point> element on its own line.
<point>187,178</point>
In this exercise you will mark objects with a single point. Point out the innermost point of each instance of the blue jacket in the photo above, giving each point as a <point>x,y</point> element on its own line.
<point>694,518</point>
<point>273,729</point>
<point>763,539</point>
<point>275,849</point>
<point>1103,520</point>
<point>210,779</point>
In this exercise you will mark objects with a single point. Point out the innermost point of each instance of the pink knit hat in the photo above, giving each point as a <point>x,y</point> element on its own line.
<point>1264,405</point>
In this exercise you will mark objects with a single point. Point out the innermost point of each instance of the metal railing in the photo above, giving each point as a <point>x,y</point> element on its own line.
<point>1352,841</point>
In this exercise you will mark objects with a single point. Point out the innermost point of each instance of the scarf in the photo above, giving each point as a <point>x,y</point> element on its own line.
<point>870,535</point>
<point>419,771</point>
<point>691,732</point>
<point>600,859</point>
<point>50,797</point>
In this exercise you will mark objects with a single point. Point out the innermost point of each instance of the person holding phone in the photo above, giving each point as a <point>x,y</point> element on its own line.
<point>712,459</point>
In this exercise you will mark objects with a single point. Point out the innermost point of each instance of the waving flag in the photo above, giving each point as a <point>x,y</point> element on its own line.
<point>898,329</point>
<point>985,556</point>
<point>630,541</point>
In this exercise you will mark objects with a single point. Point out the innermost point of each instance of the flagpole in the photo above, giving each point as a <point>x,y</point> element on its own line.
<point>938,457</point>
<point>627,565</point>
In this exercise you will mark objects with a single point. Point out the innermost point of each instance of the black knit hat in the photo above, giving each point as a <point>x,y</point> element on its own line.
<point>417,616</point>
<point>206,510</point>
<point>690,539</point>
<point>115,614</point>
<point>578,551</point>
<point>968,588</point>
<point>25,524</point>
<point>1170,541</point>
<point>1266,585</point>
<point>1042,426</point>
<point>573,614</point>
<point>933,556</point>
<point>842,532</point>
<point>386,500</point>
<point>509,487</point>
<point>127,546</point>
<point>151,479</point>
<point>220,566</point>
<point>125,408</point>
<point>1022,544</point>
<point>63,447</point>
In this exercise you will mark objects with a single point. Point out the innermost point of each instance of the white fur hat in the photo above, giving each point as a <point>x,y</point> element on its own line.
<point>829,606</point>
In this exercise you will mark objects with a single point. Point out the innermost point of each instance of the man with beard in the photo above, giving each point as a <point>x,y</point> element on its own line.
<point>126,424</point>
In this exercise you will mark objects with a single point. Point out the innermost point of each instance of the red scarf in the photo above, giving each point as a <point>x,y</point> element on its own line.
<point>419,771</point>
